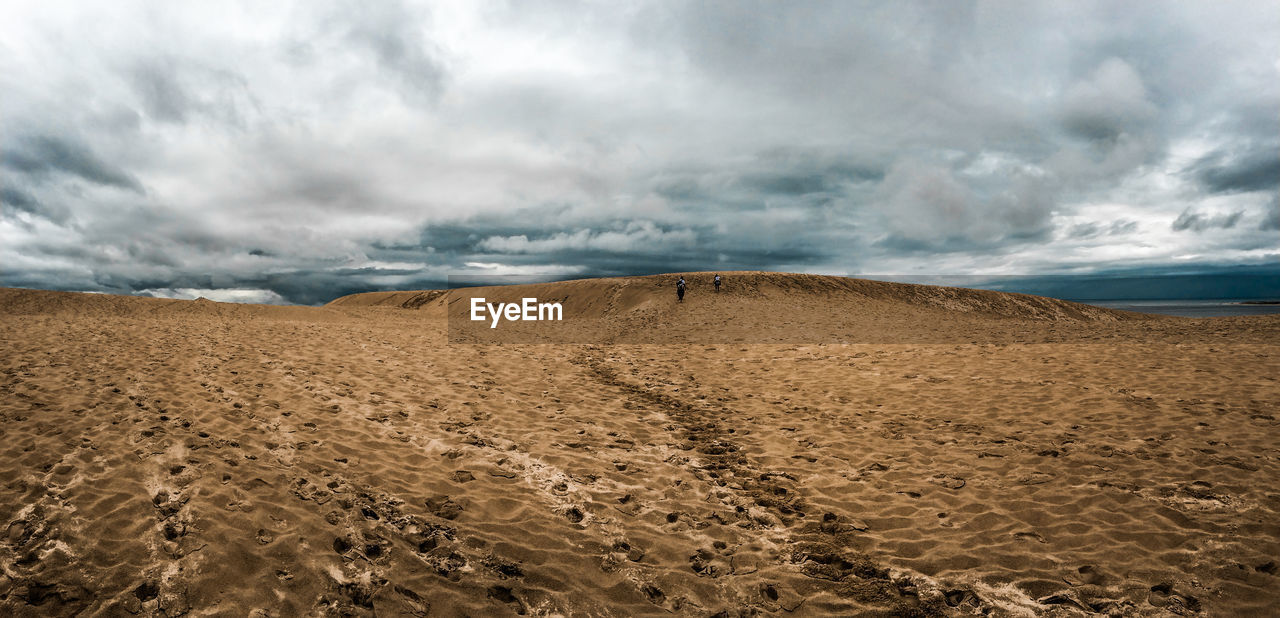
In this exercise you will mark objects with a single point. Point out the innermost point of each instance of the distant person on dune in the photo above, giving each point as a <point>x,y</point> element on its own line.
<point>717,284</point>
<point>680,290</point>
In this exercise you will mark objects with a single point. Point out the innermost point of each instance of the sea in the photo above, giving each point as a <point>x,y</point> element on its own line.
<point>1206,308</point>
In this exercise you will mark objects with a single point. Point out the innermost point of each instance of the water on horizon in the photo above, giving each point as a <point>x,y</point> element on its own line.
<point>1202,308</point>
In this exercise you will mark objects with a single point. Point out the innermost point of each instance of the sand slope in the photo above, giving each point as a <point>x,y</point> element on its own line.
<point>169,457</point>
<point>755,307</point>
<point>614,297</point>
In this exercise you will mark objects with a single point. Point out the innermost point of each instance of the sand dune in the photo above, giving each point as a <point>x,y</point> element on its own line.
<point>617,297</point>
<point>756,307</point>
<point>969,452</point>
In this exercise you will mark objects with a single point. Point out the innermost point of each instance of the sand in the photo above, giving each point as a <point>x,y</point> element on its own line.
<point>963,453</point>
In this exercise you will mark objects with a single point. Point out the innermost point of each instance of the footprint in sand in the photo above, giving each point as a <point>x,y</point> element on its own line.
<point>1087,575</point>
<point>1165,597</point>
<point>634,554</point>
<point>574,514</point>
<point>653,593</point>
<point>950,481</point>
<point>504,594</point>
<point>443,507</point>
<point>960,597</point>
<point>1035,478</point>
<point>1029,536</point>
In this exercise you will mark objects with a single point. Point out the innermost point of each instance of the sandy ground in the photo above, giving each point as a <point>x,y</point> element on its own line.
<point>168,457</point>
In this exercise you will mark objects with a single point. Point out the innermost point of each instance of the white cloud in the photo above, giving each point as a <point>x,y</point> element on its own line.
<point>641,235</point>
<point>222,295</point>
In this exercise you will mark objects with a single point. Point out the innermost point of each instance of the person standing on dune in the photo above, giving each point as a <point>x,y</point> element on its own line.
<point>680,290</point>
<point>717,284</point>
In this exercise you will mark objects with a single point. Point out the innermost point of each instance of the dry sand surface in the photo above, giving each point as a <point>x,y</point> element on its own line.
<point>963,453</point>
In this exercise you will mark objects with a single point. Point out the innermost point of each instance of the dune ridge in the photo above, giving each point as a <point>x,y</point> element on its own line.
<point>627,293</point>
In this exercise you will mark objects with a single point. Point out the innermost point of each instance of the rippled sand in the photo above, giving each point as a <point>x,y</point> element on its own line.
<point>162,457</point>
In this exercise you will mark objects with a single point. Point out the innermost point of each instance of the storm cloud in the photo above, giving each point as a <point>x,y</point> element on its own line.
<point>41,156</point>
<point>1257,169</point>
<point>1272,219</point>
<point>295,152</point>
<point>1198,222</point>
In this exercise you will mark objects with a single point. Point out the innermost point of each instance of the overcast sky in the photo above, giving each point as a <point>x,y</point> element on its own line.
<point>263,151</point>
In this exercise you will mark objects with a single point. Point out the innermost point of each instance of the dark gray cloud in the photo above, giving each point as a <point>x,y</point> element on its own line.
<point>296,152</point>
<point>1256,169</point>
<point>40,156</point>
<point>1197,222</point>
<point>1271,221</point>
<point>1094,229</point>
<point>17,200</point>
